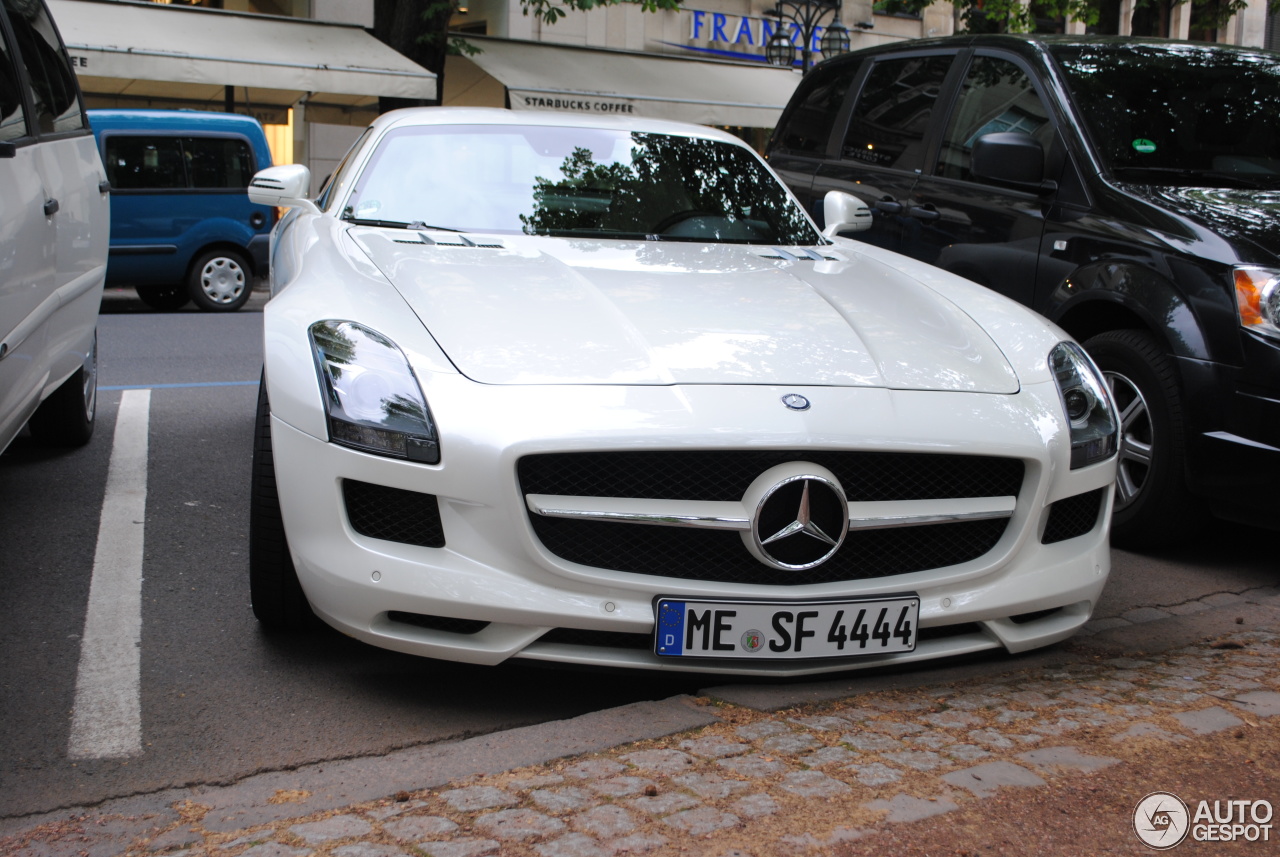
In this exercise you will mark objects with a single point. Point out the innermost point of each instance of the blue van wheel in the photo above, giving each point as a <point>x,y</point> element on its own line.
<point>220,280</point>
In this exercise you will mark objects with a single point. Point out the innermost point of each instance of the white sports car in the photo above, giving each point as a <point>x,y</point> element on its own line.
<point>598,391</point>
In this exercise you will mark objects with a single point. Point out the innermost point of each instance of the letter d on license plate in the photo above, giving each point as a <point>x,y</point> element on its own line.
<point>786,629</point>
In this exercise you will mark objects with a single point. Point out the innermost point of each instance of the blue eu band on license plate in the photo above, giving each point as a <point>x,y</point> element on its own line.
<point>766,630</point>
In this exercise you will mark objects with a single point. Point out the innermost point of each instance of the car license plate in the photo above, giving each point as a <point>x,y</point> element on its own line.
<point>786,629</point>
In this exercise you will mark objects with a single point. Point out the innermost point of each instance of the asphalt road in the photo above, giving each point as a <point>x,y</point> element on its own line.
<point>221,701</point>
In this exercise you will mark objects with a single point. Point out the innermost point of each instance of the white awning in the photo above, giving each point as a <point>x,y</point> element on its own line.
<point>541,76</point>
<point>146,54</point>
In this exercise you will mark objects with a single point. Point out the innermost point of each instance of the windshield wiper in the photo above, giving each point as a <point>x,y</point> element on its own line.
<point>396,224</point>
<point>1184,173</point>
<point>598,233</point>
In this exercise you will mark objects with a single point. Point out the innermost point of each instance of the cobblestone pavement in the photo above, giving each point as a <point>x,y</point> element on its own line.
<point>801,780</point>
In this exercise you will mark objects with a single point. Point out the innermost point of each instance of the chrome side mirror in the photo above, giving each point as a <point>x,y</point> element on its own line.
<point>844,212</point>
<point>285,186</point>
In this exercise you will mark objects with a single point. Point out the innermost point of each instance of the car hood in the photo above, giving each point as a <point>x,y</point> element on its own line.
<point>1250,216</point>
<point>534,310</point>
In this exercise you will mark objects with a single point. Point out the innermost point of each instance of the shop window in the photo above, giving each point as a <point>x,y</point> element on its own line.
<point>1108,19</point>
<point>1151,18</point>
<point>897,8</point>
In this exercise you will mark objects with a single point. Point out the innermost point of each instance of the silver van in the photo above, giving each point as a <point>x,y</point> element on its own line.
<point>54,222</point>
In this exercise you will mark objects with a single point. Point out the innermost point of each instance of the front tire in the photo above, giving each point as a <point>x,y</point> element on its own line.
<point>1153,505</point>
<point>220,280</point>
<point>66,418</point>
<point>278,600</point>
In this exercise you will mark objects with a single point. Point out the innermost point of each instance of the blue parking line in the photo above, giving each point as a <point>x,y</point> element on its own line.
<point>180,386</point>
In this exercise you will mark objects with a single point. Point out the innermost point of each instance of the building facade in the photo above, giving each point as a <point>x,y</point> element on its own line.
<point>703,63</point>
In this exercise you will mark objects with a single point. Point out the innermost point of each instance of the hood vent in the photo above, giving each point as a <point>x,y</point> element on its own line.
<point>803,254</point>
<point>455,241</point>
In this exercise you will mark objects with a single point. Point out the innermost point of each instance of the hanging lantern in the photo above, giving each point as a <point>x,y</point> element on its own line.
<point>779,51</point>
<point>835,40</point>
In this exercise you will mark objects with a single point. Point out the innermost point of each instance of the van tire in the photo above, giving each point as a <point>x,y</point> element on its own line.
<point>164,297</point>
<point>1153,504</point>
<point>277,598</point>
<point>220,280</point>
<point>66,418</point>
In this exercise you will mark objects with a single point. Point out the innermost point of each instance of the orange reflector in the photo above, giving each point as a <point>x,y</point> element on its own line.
<point>1248,299</point>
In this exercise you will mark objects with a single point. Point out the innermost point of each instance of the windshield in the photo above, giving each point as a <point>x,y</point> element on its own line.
<point>540,180</point>
<point>1185,115</point>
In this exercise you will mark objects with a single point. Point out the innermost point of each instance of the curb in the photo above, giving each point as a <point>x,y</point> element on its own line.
<point>113,827</point>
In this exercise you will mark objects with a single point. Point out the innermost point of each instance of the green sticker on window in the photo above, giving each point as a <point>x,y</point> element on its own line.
<point>1144,146</point>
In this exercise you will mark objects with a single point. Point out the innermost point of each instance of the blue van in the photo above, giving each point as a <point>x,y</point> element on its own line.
<point>182,226</point>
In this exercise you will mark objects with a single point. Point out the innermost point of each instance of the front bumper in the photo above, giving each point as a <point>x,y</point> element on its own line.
<point>1233,432</point>
<point>514,599</point>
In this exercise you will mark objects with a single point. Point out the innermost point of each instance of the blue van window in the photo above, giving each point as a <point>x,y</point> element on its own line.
<point>218,162</point>
<point>144,163</point>
<point>178,163</point>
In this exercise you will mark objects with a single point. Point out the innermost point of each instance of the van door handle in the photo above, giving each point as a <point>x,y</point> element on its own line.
<point>104,186</point>
<point>50,207</point>
<point>888,206</point>
<point>924,212</point>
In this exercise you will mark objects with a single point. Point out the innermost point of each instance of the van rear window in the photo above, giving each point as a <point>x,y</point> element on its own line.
<point>177,163</point>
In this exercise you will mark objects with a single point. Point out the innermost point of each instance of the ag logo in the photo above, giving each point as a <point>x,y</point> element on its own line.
<point>1161,820</point>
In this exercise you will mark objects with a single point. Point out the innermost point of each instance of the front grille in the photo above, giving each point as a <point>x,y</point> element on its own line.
<point>1074,516</point>
<point>721,556</point>
<point>690,554</point>
<point>619,640</point>
<point>727,475</point>
<point>393,514</point>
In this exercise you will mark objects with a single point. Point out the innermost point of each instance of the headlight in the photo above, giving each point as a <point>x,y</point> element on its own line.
<point>1258,300</point>
<point>1090,414</point>
<point>371,396</point>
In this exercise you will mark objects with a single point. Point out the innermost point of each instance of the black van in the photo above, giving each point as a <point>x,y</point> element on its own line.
<point>1127,189</point>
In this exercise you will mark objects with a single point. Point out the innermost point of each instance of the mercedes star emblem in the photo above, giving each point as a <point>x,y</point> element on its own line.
<point>801,522</point>
<point>795,402</point>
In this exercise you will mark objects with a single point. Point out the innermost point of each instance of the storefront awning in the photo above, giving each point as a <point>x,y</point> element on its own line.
<point>146,54</point>
<point>541,76</point>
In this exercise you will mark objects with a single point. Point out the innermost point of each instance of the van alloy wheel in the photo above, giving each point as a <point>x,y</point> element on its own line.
<point>220,281</point>
<point>1153,504</point>
<point>1136,438</point>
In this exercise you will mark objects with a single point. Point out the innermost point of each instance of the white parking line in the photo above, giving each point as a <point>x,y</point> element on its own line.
<point>106,722</point>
